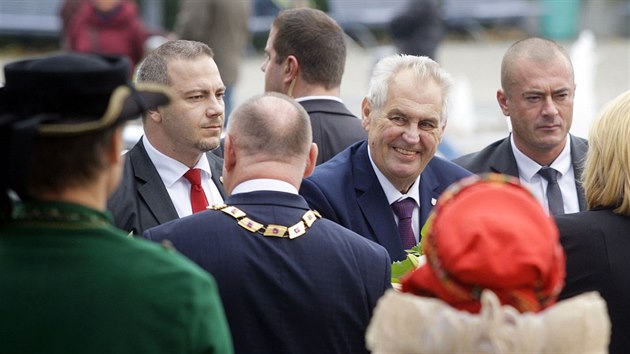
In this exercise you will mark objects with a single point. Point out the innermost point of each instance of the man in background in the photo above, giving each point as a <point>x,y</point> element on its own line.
<point>537,91</point>
<point>305,59</point>
<point>169,173</point>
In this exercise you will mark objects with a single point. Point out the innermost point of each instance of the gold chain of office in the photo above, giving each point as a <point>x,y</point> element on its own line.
<point>270,230</point>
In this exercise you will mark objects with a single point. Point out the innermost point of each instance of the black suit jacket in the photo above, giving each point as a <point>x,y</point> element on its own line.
<point>334,127</point>
<point>597,245</point>
<point>141,201</point>
<point>311,294</point>
<point>498,157</point>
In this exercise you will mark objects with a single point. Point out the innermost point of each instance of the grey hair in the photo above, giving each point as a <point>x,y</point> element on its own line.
<point>423,67</point>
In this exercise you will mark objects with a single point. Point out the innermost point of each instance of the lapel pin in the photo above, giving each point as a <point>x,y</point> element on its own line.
<point>433,201</point>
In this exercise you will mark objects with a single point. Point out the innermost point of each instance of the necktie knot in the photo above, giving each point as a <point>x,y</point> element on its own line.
<point>193,176</point>
<point>198,200</point>
<point>404,210</point>
<point>549,173</point>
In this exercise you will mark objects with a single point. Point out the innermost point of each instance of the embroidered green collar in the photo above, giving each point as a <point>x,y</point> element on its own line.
<point>59,212</point>
<point>270,230</point>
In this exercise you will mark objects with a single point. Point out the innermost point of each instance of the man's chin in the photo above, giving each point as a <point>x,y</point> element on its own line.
<point>551,142</point>
<point>210,145</point>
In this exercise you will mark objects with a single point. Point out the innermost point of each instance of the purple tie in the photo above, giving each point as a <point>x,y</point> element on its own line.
<point>404,209</point>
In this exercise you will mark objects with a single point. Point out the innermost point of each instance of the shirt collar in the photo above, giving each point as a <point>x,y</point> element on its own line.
<point>391,193</point>
<point>308,98</point>
<point>264,184</point>
<point>528,168</point>
<point>171,170</point>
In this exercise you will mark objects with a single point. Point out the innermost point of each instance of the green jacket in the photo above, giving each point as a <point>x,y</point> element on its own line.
<point>72,283</point>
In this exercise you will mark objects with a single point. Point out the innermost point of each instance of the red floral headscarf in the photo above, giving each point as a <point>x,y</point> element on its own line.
<point>489,232</point>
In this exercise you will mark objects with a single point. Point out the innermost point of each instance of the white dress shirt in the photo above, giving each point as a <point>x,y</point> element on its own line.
<point>393,195</point>
<point>529,177</point>
<point>307,98</point>
<point>264,184</point>
<point>172,173</point>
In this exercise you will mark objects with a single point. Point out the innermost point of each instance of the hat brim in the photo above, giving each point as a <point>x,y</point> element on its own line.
<point>125,103</point>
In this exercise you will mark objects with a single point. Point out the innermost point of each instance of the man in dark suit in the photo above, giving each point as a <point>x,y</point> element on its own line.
<point>291,281</point>
<point>537,91</point>
<point>305,59</point>
<point>368,187</point>
<point>155,186</point>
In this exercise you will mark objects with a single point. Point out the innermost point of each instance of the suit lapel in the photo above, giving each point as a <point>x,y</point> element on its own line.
<point>373,203</point>
<point>216,166</point>
<point>503,160</point>
<point>150,186</point>
<point>428,190</point>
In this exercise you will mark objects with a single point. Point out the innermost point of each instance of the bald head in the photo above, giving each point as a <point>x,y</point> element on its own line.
<point>534,50</point>
<point>271,126</point>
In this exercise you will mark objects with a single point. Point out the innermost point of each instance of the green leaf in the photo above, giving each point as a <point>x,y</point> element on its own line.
<point>400,268</point>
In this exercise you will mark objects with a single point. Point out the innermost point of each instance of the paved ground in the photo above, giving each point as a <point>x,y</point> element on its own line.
<point>602,72</point>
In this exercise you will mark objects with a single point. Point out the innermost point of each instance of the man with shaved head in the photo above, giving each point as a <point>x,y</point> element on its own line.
<point>537,92</point>
<point>290,281</point>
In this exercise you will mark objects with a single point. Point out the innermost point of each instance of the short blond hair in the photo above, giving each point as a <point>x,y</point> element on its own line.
<point>606,176</point>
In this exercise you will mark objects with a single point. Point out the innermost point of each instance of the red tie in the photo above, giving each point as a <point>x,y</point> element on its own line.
<point>198,199</point>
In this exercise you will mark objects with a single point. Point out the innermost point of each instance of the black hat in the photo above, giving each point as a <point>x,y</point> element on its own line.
<point>65,94</point>
<point>75,93</point>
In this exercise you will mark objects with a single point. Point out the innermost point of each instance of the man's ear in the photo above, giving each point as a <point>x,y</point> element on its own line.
<point>291,69</point>
<point>154,115</point>
<point>229,155</point>
<point>366,109</point>
<point>502,99</point>
<point>311,161</point>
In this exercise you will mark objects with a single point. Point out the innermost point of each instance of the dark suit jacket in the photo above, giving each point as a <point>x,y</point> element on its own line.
<point>312,294</point>
<point>141,201</point>
<point>498,157</point>
<point>347,191</point>
<point>597,244</point>
<point>334,127</point>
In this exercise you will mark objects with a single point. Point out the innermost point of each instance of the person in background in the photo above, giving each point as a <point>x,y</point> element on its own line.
<point>385,187</point>
<point>108,27</point>
<point>596,241</point>
<point>170,172</point>
<point>305,58</point>
<point>68,10</point>
<point>71,282</point>
<point>291,281</point>
<point>419,28</point>
<point>537,91</point>
<point>489,282</point>
<point>222,25</point>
